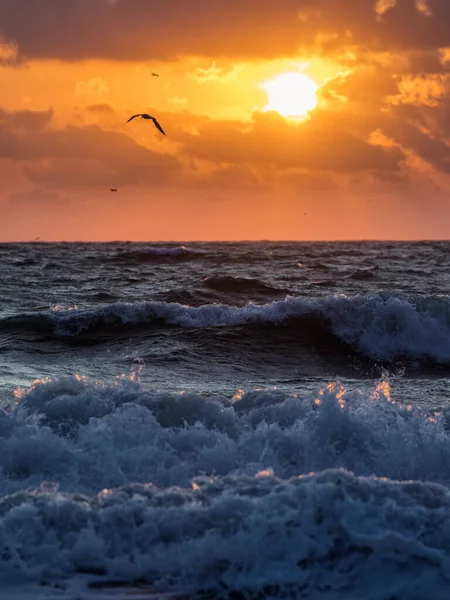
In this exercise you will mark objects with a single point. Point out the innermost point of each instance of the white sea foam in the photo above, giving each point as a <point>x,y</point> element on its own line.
<point>329,532</point>
<point>192,493</point>
<point>88,436</point>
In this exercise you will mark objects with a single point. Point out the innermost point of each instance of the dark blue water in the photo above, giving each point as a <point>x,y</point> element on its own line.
<point>226,418</point>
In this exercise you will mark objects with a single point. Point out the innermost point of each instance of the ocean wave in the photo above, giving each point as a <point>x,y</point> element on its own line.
<point>87,435</point>
<point>331,534</point>
<point>364,274</point>
<point>155,254</point>
<point>191,493</point>
<point>227,284</point>
<point>381,326</point>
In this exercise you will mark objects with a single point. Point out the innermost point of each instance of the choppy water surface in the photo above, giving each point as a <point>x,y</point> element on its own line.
<point>267,419</point>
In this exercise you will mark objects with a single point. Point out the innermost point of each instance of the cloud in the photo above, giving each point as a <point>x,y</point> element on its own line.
<point>82,156</point>
<point>101,108</point>
<point>335,145</point>
<point>362,88</point>
<point>424,8</point>
<point>319,144</point>
<point>29,120</point>
<point>427,90</point>
<point>211,73</point>
<point>9,53</point>
<point>121,30</point>
<point>205,153</point>
<point>382,124</point>
<point>382,6</point>
<point>422,131</point>
<point>96,86</point>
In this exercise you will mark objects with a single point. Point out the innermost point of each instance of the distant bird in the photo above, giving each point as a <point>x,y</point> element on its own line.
<point>113,189</point>
<point>146,116</point>
<point>155,75</point>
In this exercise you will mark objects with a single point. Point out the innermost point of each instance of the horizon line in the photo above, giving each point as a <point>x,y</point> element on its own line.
<point>228,241</point>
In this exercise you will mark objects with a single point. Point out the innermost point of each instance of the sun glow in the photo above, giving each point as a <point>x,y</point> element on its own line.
<point>291,94</point>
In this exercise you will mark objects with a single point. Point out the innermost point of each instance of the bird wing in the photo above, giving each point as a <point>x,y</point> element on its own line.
<point>133,117</point>
<point>158,126</point>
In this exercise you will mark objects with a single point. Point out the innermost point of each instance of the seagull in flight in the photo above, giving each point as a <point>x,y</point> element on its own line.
<point>146,116</point>
<point>113,189</point>
<point>155,75</point>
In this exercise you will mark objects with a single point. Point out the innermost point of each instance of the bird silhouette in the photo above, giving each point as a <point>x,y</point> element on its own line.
<point>113,189</point>
<point>155,75</point>
<point>146,116</point>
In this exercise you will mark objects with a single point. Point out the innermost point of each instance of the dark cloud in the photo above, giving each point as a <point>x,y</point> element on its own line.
<point>410,132</point>
<point>102,108</point>
<point>29,120</point>
<point>318,144</point>
<point>78,29</point>
<point>153,30</point>
<point>427,61</point>
<point>266,153</point>
<point>365,88</point>
<point>435,119</point>
<point>83,156</point>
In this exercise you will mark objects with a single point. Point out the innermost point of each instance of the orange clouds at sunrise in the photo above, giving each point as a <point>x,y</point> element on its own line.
<point>301,119</point>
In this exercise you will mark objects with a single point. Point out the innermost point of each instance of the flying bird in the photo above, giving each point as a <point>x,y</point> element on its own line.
<point>155,75</point>
<point>146,116</point>
<point>113,189</point>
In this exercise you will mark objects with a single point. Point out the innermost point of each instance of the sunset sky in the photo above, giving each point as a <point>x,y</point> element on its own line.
<point>366,156</point>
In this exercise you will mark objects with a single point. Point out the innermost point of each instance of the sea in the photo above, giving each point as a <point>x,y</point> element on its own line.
<point>225,421</point>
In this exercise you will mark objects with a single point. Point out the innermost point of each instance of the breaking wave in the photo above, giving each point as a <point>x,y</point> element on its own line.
<point>155,254</point>
<point>380,326</point>
<point>194,494</point>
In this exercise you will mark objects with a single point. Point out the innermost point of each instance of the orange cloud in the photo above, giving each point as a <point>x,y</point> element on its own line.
<point>9,53</point>
<point>382,126</point>
<point>382,6</point>
<point>94,87</point>
<point>426,90</point>
<point>318,144</point>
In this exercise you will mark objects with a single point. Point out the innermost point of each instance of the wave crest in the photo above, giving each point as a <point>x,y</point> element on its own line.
<point>380,326</point>
<point>156,254</point>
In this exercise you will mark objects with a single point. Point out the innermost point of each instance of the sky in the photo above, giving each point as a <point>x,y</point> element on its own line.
<point>286,120</point>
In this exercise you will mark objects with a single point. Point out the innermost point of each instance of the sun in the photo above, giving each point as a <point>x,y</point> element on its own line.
<point>291,94</point>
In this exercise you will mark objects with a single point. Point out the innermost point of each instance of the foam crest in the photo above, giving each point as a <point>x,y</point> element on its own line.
<point>149,253</point>
<point>88,435</point>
